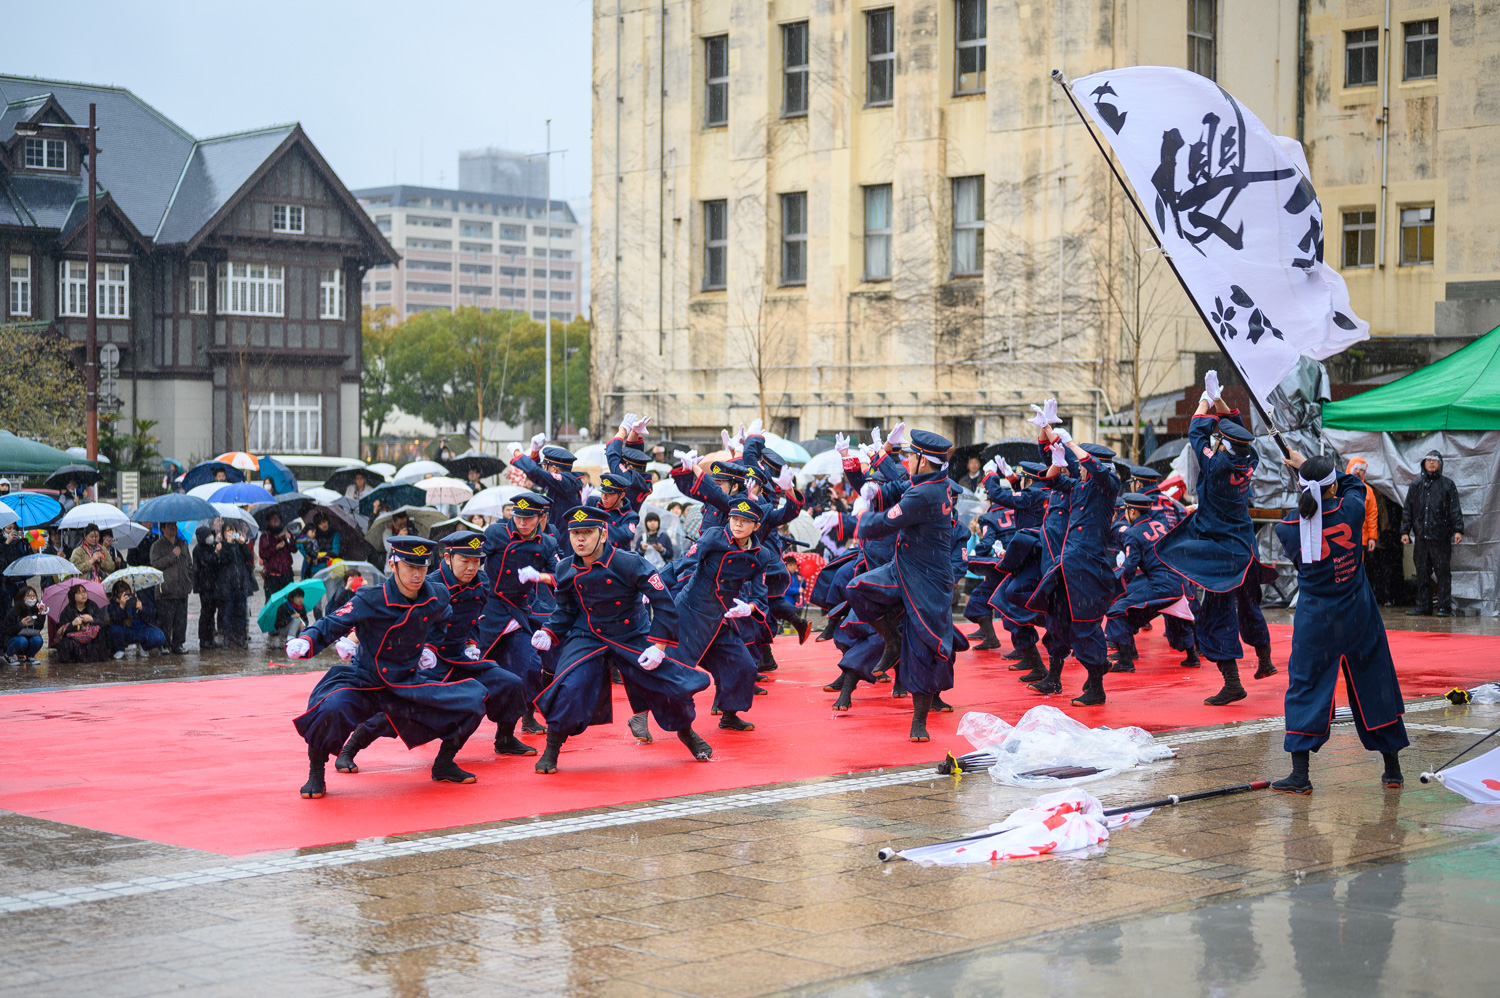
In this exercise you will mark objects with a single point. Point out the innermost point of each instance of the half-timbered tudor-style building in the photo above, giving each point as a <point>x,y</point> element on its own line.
<point>229,268</point>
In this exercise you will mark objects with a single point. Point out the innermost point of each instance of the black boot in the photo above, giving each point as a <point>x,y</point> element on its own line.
<point>640,728</point>
<point>830,628</point>
<point>1232,690</point>
<point>802,626</point>
<point>1111,651</point>
<point>920,705</point>
<point>1297,782</point>
<point>890,632</point>
<point>701,750</point>
<point>732,721</point>
<point>1392,777</point>
<point>940,705</point>
<point>989,639</point>
<point>314,787</point>
<point>1190,659</point>
<point>899,692</point>
<point>506,742</point>
<point>445,770</point>
<point>614,676</point>
<point>1093,688</point>
<point>835,684</point>
<point>1051,682</point>
<point>359,738</point>
<point>847,681</point>
<point>1125,661</point>
<point>1032,662</point>
<point>1015,655</point>
<point>548,762</point>
<point>530,725</point>
<point>1263,662</point>
<point>768,661</point>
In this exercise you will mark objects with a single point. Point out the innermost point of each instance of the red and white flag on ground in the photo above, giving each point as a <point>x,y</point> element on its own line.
<point>1069,821</point>
<point>1478,779</point>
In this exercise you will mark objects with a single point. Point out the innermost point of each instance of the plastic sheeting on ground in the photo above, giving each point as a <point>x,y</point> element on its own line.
<point>1065,823</point>
<point>1045,737</point>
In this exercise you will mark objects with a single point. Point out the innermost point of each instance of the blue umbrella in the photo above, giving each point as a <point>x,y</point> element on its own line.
<point>41,564</point>
<point>278,475</point>
<point>202,474</point>
<point>174,506</point>
<point>32,508</point>
<point>244,493</point>
<point>393,494</point>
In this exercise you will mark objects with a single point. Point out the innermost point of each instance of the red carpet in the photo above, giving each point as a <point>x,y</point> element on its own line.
<point>216,764</point>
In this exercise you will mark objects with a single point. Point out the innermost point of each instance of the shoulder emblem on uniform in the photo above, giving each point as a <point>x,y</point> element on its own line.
<point>347,608</point>
<point>655,581</point>
<point>894,511</point>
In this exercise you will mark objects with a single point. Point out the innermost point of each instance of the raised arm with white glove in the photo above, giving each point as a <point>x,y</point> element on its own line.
<point>639,427</point>
<point>740,609</point>
<point>298,648</point>
<point>1211,386</point>
<point>786,479</point>
<point>1046,413</point>
<point>627,423</point>
<point>841,444</point>
<point>1002,468</point>
<point>686,459</point>
<point>346,646</point>
<point>875,436</point>
<point>651,657</point>
<point>516,448</point>
<point>756,428</point>
<point>727,441</point>
<point>538,442</point>
<point>1059,455</point>
<point>897,436</point>
<point>541,641</point>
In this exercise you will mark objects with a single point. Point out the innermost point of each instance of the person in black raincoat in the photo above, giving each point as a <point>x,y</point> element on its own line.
<point>1432,522</point>
<point>1337,627</point>
<point>551,470</point>
<point>386,671</point>
<point>909,602</point>
<point>602,619</point>
<point>458,654</point>
<point>518,553</point>
<point>1150,587</point>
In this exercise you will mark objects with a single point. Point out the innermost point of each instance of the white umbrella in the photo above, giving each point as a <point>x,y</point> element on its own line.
<point>804,529</point>
<point>410,473</point>
<point>829,464</point>
<point>7,515</point>
<point>101,514</point>
<point>230,511</point>
<point>444,490</point>
<point>492,501</point>
<point>591,456</point>
<point>666,491</point>
<point>128,535</point>
<point>80,452</point>
<point>138,576</point>
<point>669,520</point>
<point>321,496</point>
<point>382,468</point>
<point>206,490</point>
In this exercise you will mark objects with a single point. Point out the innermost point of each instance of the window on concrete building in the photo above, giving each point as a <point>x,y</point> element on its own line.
<point>286,423</point>
<point>1202,25</point>
<point>20,285</point>
<point>562,296</point>
<point>473,268</point>
<point>198,287</point>
<point>485,248</point>
<point>1421,50</point>
<point>539,272</point>
<point>286,218</point>
<point>382,285</point>
<point>562,275</point>
<point>383,223</point>
<point>250,289</point>
<point>429,288</point>
<point>878,233</point>
<point>540,316</point>
<point>558,254</point>
<point>446,266</point>
<point>112,289</point>
<point>430,244</point>
<point>330,294</point>
<point>1362,57</point>
<point>880,56</point>
<point>1359,238</point>
<point>972,36</point>
<point>794,238</point>
<point>716,94</point>
<point>968,226</point>
<point>515,232</point>
<point>539,251</point>
<point>47,154</point>
<point>794,69</point>
<point>1417,236</point>
<point>963,431</point>
<point>715,244</point>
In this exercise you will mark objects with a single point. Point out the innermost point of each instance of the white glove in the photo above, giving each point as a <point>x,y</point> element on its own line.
<point>515,448</point>
<point>1211,385</point>
<point>471,652</point>
<point>860,508</point>
<point>841,444</point>
<point>1063,435</point>
<point>539,441</point>
<point>541,641</point>
<point>298,648</point>
<point>1046,413</point>
<point>650,658</point>
<point>629,421</point>
<point>1059,455</point>
<point>687,459</point>
<point>528,574</point>
<point>1120,560</point>
<point>826,521</point>
<point>639,427</point>
<point>897,436</point>
<point>756,428</point>
<point>786,479</point>
<point>585,493</point>
<point>346,647</point>
<point>1205,397</point>
<point>740,609</point>
<point>990,467</point>
<point>739,440</point>
<point>875,437</point>
<point>726,440</point>
<point>428,658</point>
<point>1002,468</point>
<point>868,492</point>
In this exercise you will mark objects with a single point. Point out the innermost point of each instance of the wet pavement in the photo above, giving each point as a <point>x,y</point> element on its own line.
<point>1352,890</point>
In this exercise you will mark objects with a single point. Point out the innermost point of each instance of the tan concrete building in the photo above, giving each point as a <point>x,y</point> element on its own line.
<point>843,213</point>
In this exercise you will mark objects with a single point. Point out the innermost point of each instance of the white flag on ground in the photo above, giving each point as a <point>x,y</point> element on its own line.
<point>1477,779</point>
<point>1235,211</point>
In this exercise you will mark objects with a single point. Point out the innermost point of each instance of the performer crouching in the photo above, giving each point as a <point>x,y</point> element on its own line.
<point>1337,627</point>
<point>382,674</point>
<point>601,621</point>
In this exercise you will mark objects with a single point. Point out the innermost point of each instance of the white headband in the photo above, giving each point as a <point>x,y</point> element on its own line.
<point>1312,527</point>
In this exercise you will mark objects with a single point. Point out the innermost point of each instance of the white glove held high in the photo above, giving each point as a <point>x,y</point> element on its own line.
<point>428,658</point>
<point>346,647</point>
<point>541,641</point>
<point>639,427</point>
<point>756,428</point>
<point>740,609</point>
<point>1059,455</point>
<point>786,479</point>
<point>875,436</point>
<point>650,658</point>
<point>897,436</point>
<point>539,441</point>
<point>628,422</point>
<point>298,648</point>
<point>990,467</point>
<point>1063,435</point>
<point>1211,385</point>
<point>1003,468</point>
<point>686,459</point>
<point>528,574</point>
<point>841,444</point>
<point>1046,413</point>
<point>515,448</point>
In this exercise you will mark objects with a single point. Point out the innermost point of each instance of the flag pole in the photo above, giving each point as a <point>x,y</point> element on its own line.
<point>1057,77</point>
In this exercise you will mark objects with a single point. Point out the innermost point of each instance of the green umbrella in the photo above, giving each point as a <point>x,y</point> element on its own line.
<point>313,590</point>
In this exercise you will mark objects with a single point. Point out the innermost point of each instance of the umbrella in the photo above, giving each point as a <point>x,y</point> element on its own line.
<point>41,564</point>
<point>591,456</point>
<point>1167,452</point>
<point>342,478</point>
<point>55,596</point>
<point>290,505</point>
<point>8,516</point>
<point>791,452</point>
<point>207,490</point>
<point>443,528</point>
<point>229,511</point>
<point>139,576</point>
<point>239,459</point>
<point>669,520</point>
<point>816,445</point>
<point>319,494</point>
<point>420,517</point>
<point>803,528</point>
<point>445,491</point>
<point>339,518</point>
<point>101,514</point>
<point>80,452</point>
<point>312,591</point>
<point>344,569</point>
<point>492,501</point>
<point>200,473</point>
<point>393,495</point>
<point>485,464</point>
<point>829,464</point>
<point>128,535</point>
<point>277,476</point>
<point>417,469</point>
<point>174,506</point>
<point>244,494</point>
<point>80,473</point>
<point>32,508</point>
<point>383,469</point>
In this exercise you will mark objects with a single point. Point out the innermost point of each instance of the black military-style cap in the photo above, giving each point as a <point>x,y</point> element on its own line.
<point>585,518</point>
<point>1234,431</point>
<point>464,542</point>
<point>1099,451</point>
<point>558,455</point>
<point>1137,500</point>
<point>635,458</point>
<point>612,482</point>
<point>412,550</point>
<point>728,469</point>
<point>930,444</point>
<point>531,504</point>
<point>747,510</point>
<point>1142,473</point>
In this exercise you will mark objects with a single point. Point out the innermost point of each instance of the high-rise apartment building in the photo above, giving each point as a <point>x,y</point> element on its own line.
<point>496,171</point>
<point>475,248</point>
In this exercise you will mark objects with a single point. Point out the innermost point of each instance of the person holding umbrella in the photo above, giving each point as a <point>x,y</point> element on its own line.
<point>170,556</point>
<point>276,547</point>
<point>207,544</point>
<point>321,543</point>
<point>92,559</point>
<point>21,631</point>
<point>78,627</point>
<point>235,583</point>
<point>128,624</point>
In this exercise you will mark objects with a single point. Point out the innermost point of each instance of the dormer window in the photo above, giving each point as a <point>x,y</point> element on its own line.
<point>286,218</point>
<point>46,154</point>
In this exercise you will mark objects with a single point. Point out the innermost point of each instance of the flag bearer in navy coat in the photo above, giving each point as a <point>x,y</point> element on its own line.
<point>517,555</point>
<point>1337,627</point>
<point>909,601</point>
<point>551,469</point>
<point>1214,546</point>
<point>612,610</point>
<point>385,672</point>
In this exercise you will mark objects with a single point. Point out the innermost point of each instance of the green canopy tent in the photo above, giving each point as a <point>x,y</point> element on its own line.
<point>1459,392</point>
<point>22,456</point>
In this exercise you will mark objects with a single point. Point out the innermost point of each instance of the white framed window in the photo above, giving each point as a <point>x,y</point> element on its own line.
<point>794,238</point>
<point>878,232</point>
<point>971,46</point>
<point>794,69</point>
<point>1421,50</point>
<point>20,285</point>
<point>715,244</point>
<point>198,287</point>
<point>880,55</point>
<point>968,226</point>
<point>716,81</point>
<point>1203,16</point>
<point>1418,233</point>
<point>112,289</point>
<point>46,154</point>
<point>250,289</point>
<point>330,294</point>
<point>286,218</point>
<point>286,423</point>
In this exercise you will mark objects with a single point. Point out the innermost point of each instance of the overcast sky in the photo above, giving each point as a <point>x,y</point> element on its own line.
<point>386,90</point>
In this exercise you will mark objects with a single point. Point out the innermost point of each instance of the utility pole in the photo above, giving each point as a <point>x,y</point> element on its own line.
<point>547,278</point>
